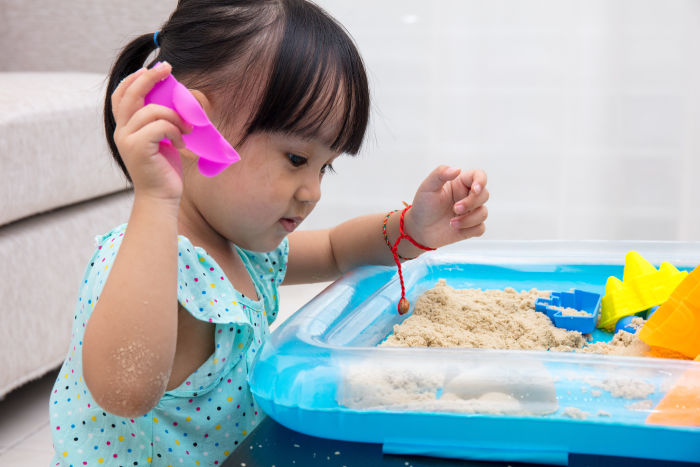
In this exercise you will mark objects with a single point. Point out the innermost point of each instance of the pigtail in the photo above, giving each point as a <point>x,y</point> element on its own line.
<point>129,60</point>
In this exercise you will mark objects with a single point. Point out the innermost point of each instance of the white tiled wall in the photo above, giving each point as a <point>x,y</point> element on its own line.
<point>585,114</point>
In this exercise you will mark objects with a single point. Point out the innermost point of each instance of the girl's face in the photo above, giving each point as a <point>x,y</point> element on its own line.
<point>259,200</point>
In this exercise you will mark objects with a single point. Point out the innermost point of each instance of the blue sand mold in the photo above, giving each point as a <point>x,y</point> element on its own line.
<point>581,300</point>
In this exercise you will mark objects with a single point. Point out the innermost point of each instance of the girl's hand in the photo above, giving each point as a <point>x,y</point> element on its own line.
<point>448,207</point>
<point>155,168</point>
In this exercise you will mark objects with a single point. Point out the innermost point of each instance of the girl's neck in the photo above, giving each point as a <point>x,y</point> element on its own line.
<point>195,228</point>
<point>192,225</point>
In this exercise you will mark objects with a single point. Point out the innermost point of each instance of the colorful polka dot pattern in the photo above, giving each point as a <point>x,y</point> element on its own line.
<point>203,420</point>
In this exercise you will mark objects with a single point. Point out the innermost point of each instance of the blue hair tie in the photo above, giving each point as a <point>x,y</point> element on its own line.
<point>155,39</point>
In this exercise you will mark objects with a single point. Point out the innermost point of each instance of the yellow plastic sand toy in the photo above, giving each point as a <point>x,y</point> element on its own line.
<point>642,287</point>
<point>676,324</point>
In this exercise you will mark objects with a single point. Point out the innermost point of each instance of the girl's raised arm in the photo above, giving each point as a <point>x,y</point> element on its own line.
<point>130,337</point>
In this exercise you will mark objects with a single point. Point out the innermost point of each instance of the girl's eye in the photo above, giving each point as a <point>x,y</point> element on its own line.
<point>296,161</point>
<point>327,168</point>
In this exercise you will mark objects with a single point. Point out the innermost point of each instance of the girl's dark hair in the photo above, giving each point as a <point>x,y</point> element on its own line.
<point>286,63</point>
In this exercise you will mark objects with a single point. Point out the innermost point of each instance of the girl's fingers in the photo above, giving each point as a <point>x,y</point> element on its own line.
<point>152,113</point>
<point>475,231</point>
<point>172,155</point>
<point>135,93</point>
<point>470,219</point>
<point>479,181</point>
<point>437,178</point>
<point>475,180</point>
<point>468,182</point>
<point>466,189</point>
<point>118,93</point>
<point>472,201</point>
<point>159,129</point>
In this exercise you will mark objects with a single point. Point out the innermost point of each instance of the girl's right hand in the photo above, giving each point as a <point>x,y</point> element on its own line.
<point>155,168</point>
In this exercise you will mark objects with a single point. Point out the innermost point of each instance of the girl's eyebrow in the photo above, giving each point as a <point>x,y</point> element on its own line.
<point>309,139</point>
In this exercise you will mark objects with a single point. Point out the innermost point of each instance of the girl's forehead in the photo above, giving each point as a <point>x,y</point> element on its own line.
<point>328,130</point>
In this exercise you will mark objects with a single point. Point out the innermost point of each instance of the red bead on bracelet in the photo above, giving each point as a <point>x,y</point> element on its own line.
<point>404,305</point>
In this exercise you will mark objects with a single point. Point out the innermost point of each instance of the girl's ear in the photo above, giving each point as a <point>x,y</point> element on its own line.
<point>203,101</point>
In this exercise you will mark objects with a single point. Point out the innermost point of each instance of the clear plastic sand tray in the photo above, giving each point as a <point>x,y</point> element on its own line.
<point>321,373</point>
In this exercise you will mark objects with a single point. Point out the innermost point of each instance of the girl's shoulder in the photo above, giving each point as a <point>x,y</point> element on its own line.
<point>106,247</point>
<point>114,236</point>
<point>97,270</point>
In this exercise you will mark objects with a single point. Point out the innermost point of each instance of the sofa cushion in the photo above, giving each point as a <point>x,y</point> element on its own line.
<point>52,147</point>
<point>78,35</point>
<point>44,258</point>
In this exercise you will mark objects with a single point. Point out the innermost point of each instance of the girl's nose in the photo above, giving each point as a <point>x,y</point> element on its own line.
<point>309,191</point>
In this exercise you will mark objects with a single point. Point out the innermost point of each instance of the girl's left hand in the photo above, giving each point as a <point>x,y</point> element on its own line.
<point>448,207</point>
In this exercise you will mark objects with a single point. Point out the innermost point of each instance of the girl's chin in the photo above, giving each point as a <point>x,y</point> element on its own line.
<point>263,245</point>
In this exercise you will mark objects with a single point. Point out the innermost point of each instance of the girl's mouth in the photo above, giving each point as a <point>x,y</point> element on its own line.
<point>290,223</point>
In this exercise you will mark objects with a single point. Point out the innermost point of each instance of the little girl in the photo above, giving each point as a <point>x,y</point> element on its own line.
<point>175,304</point>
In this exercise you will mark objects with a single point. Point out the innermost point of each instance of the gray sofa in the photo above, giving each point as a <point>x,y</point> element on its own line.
<point>59,186</point>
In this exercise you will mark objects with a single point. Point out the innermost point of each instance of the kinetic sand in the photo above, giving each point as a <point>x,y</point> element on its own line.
<point>497,319</point>
<point>493,319</point>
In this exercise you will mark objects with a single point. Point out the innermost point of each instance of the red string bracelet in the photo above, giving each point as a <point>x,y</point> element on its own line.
<point>386,234</point>
<point>403,303</point>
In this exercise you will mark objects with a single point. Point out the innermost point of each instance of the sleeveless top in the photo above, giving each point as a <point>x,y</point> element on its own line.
<point>200,422</point>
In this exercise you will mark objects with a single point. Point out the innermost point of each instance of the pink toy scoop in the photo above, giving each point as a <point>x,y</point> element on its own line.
<point>215,153</point>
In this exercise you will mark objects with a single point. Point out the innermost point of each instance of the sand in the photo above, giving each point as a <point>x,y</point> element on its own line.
<point>570,311</point>
<point>623,387</point>
<point>575,413</point>
<point>623,343</point>
<point>446,387</point>
<point>494,319</point>
<point>498,319</point>
<point>472,318</point>
<point>643,406</point>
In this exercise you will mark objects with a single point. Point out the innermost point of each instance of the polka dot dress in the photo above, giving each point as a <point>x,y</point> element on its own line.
<point>203,420</point>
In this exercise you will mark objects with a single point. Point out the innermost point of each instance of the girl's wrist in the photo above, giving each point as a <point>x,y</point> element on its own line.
<point>406,249</point>
<point>156,205</point>
<point>412,229</point>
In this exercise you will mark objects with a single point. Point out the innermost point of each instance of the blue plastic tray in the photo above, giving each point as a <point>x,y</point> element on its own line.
<point>322,374</point>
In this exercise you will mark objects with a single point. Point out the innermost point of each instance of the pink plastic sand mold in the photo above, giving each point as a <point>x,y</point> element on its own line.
<point>215,153</point>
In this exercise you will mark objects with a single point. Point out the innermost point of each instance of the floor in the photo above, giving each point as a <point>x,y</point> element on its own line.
<point>25,437</point>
